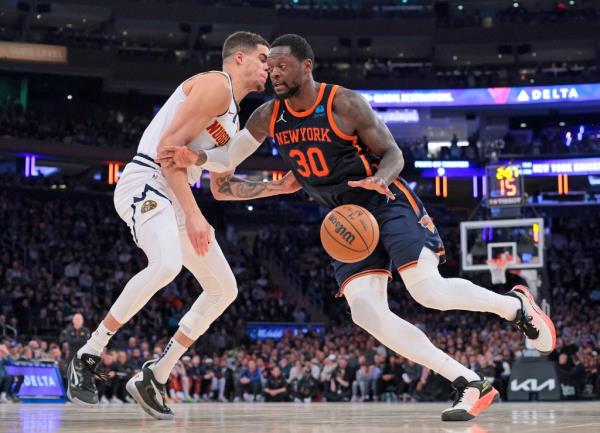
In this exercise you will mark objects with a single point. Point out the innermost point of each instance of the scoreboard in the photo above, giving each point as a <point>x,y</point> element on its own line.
<point>505,185</point>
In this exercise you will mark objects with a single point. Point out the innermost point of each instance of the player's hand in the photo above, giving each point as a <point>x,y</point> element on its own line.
<point>291,185</point>
<point>199,231</point>
<point>176,156</point>
<point>374,183</point>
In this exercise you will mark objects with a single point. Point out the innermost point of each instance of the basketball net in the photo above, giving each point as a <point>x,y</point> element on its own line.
<point>498,267</point>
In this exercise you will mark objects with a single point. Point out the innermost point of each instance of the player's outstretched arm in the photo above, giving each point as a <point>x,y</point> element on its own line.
<point>224,158</point>
<point>228,187</point>
<point>353,113</point>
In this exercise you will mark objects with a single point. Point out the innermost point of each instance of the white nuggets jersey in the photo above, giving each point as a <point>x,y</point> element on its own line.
<point>218,132</point>
<point>142,191</point>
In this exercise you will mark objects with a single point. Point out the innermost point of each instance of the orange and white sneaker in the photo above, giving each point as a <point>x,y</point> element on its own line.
<point>533,322</point>
<point>471,398</point>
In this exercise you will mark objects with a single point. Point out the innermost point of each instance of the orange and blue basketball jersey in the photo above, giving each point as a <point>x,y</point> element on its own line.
<point>323,159</point>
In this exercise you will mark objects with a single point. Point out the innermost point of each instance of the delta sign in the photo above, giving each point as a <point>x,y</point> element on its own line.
<point>494,96</point>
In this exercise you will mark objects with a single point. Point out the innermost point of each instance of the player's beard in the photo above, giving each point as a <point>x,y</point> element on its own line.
<point>291,91</point>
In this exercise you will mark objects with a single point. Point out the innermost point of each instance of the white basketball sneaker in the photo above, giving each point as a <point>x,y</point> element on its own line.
<point>533,322</point>
<point>471,398</point>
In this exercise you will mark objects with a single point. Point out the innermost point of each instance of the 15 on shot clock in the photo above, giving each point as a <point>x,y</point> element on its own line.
<point>504,185</point>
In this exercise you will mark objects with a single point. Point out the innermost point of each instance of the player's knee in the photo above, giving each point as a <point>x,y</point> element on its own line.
<point>223,293</point>
<point>429,293</point>
<point>229,294</point>
<point>168,267</point>
<point>366,314</point>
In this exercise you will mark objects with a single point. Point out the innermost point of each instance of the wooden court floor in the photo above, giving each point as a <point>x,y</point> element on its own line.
<point>560,417</point>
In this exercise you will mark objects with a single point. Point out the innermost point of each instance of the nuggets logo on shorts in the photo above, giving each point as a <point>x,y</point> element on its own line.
<point>427,223</point>
<point>149,205</point>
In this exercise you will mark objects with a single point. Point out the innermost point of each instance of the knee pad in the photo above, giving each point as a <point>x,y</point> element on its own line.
<point>193,325</point>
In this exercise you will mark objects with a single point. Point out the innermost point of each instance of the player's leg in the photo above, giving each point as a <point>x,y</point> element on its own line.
<point>158,237</point>
<point>367,297</point>
<point>219,290</point>
<point>410,237</point>
<point>430,289</point>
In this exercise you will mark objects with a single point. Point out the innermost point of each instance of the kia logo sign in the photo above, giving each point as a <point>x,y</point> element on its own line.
<point>532,385</point>
<point>533,379</point>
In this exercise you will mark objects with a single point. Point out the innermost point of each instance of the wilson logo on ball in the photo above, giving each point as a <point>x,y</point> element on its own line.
<point>341,230</point>
<point>349,233</point>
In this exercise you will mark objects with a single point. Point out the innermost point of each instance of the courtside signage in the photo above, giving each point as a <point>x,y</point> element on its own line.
<point>494,96</point>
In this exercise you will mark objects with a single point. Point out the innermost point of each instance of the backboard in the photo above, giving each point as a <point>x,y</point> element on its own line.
<point>483,241</point>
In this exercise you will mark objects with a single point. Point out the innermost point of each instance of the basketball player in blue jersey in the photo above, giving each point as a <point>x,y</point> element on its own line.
<point>167,223</point>
<point>339,152</point>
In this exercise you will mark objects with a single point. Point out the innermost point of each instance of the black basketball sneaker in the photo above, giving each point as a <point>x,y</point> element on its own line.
<point>81,380</point>
<point>470,399</point>
<point>149,394</point>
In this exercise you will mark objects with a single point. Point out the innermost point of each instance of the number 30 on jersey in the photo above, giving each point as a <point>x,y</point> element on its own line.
<point>312,162</point>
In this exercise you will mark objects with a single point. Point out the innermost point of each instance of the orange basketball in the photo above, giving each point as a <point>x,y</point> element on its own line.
<point>349,233</point>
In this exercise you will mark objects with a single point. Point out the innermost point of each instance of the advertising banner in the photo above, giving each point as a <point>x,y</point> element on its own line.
<point>493,96</point>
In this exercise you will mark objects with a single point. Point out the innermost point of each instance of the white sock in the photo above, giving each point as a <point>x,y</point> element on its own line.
<point>168,358</point>
<point>452,369</point>
<point>98,341</point>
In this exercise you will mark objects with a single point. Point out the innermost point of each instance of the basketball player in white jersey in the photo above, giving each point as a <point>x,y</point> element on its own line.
<point>167,224</point>
<point>349,115</point>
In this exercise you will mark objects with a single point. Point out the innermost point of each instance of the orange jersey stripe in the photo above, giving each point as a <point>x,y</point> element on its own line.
<point>342,135</point>
<point>274,118</point>
<point>407,265</point>
<point>311,109</point>
<point>335,128</point>
<point>367,165</point>
<point>340,293</point>
<point>408,195</point>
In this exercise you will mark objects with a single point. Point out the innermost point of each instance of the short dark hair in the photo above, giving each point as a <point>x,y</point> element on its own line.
<point>299,47</point>
<point>242,41</point>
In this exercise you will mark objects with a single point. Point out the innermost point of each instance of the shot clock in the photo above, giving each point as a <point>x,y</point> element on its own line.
<point>504,185</point>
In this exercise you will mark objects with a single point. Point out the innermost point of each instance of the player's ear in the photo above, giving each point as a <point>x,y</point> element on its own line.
<point>238,57</point>
<point>308,65</point>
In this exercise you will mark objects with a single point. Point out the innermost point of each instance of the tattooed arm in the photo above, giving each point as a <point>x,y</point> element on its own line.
<point>229,187</point>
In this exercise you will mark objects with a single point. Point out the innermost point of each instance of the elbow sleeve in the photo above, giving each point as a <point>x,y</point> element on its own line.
<point>228,157</point>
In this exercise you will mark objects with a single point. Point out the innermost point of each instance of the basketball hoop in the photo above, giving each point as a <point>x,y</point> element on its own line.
<point>498,268</point>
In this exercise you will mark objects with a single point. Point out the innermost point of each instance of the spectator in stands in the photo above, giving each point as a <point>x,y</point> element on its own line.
<point>75,335</point>
<point>276,388</point>
<point>340,384</point>
<point>251,382</point>
<point>571,376</point>
<point>106,393</point>
<point>389,381</point>
<point>307,386</point>
<point>329,366</point>
<point>362,382</point>
<point>123,372</point>
<point>410,378</point>
<point>6,381</point>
